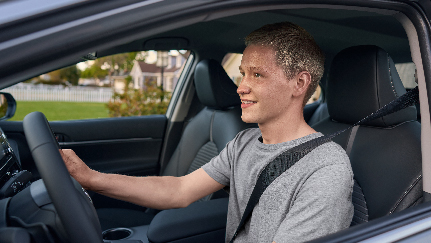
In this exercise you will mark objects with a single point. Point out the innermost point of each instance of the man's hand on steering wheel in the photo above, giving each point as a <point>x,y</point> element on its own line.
<point>77,168</point>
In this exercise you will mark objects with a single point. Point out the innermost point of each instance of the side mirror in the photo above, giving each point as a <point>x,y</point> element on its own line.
<point>7,106</point>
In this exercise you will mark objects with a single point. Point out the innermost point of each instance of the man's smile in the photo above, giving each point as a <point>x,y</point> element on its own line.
<point>247,103</point>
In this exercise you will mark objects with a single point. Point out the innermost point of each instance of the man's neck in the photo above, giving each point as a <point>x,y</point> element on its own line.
<point>285,130</point>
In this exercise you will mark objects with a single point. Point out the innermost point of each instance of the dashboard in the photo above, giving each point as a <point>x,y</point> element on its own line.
<point>12,178</point>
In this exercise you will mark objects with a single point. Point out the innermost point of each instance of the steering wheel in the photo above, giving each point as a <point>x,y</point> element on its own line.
<point>75,210</point>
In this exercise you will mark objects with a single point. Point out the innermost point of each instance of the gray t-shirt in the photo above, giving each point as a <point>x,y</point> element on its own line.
<point>311,199</point>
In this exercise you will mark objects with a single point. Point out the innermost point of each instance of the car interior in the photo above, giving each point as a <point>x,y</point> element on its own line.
<point>362,46</point>
<point>203,138</point>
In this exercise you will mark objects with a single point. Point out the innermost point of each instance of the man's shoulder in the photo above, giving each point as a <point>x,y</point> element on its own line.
<point>328,154</point>
<point>332,148</point>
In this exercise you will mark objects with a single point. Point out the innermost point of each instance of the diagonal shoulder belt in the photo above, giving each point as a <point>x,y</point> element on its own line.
<point>289,157</point>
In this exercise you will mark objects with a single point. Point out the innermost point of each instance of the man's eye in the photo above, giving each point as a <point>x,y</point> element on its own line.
<point>257,75</point>
<point>242,74</point>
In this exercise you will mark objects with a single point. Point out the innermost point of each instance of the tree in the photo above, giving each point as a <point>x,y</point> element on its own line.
<point>55,76</point>
<point>70,74</point>
<point>94,71</point>
<point>109,65</point>
<point>120,62</point>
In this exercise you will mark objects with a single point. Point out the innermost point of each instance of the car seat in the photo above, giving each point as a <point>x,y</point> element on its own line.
<point>318,110</point>
<point>385,153</point>
<point>203,138</point>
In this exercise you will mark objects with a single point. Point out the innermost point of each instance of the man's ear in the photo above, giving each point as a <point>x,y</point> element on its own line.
<point>303,80</point>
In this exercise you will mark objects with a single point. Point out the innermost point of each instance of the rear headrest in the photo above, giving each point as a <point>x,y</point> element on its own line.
<point>214,87</point>
<point>361,80</point>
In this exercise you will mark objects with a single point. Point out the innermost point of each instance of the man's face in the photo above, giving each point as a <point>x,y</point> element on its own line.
<point>265,91</point>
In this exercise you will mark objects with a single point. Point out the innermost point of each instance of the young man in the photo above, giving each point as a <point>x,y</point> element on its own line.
<point>281,68</point>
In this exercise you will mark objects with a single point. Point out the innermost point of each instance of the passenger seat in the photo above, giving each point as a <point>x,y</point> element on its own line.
<point>385,153</point>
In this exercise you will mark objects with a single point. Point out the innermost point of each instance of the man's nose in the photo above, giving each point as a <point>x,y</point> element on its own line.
<point>243,87</point>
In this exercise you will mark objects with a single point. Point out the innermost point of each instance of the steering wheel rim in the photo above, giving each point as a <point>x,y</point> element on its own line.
<point>76,212</point>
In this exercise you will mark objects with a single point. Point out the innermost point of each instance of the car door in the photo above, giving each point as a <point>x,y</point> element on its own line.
<point>129,145</point>
<point>123,145</point>
<point>127,142</point>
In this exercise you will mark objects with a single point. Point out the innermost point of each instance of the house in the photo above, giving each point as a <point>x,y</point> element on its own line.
<point>231,63</point>
<point>144,74</point>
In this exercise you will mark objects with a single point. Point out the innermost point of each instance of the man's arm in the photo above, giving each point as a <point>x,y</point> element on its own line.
<point>154,191</point>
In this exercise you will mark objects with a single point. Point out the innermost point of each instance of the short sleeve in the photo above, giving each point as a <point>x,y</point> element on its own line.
<point>322,206</point>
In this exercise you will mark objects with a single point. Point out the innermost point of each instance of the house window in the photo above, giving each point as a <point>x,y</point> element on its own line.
<point>173,61</point>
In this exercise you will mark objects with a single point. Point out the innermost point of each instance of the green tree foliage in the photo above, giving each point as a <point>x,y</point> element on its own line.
<point>109,65</point>
<point>70,74</point>
<point>134,102</point>
<point>94,71</point>
<point>122,61</point>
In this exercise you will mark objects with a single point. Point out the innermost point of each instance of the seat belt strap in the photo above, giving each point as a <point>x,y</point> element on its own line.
<point>351,140</point>
<point>289,157</point>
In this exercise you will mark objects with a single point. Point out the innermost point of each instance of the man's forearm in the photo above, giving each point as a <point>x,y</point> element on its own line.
<point>153,192</point>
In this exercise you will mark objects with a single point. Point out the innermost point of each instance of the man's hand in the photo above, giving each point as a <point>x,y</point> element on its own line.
<point>77,168</point>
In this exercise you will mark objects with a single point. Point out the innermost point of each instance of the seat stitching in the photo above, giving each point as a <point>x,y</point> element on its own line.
<point>362,214</point>
<point>361,207</point>
<point>405,194</point>
<point>390,77</point>
<point>211,126</point>
<point>361,199</point>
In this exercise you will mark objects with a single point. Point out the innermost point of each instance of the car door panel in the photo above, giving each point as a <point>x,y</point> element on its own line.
<point>124,156</point>
<point>128,145</point>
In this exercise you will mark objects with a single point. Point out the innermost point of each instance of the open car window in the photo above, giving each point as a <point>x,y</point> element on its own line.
<point>121,85</point>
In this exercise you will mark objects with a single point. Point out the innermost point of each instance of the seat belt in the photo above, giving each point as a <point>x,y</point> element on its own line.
<point>289,157</point>
<point>352,136</point>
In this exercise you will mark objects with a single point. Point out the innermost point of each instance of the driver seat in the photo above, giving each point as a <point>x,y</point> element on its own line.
<point>203,138</point>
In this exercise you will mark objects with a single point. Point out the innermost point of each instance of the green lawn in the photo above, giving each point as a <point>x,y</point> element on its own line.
<point>57,111</point>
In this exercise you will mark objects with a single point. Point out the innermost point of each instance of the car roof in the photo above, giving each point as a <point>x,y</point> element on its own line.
<point>333,29</point>
<point>16,10</point>
<point>210,28</point>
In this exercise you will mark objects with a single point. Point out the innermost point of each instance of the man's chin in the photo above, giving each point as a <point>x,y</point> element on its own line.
<point>247,119</point>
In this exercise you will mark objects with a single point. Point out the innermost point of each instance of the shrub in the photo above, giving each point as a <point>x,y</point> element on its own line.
<point>134,102</point>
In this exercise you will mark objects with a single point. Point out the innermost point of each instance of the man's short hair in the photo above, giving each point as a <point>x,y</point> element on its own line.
<point>296,51</point>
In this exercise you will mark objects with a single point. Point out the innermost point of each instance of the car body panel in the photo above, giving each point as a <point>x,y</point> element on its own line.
<point>141,145</point>
<point>116,145</point>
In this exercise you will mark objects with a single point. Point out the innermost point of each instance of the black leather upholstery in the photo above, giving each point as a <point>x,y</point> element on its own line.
<point>213,127</point>
<point>386,154</point>
<point>320,113</point>
<point>366,74</point>
<point>204,136</point>
<point>219,92</point>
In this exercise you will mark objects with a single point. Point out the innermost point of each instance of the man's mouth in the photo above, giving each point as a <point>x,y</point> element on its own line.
<point>247,103</point>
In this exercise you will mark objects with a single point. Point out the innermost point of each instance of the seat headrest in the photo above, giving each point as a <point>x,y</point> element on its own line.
<point>214,87</point>
<point>361,80</point>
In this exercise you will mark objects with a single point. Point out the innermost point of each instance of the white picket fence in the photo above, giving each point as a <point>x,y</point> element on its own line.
<point>73,94</point>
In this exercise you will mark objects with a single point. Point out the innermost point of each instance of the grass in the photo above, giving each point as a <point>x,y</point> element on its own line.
<point>58,111</point>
